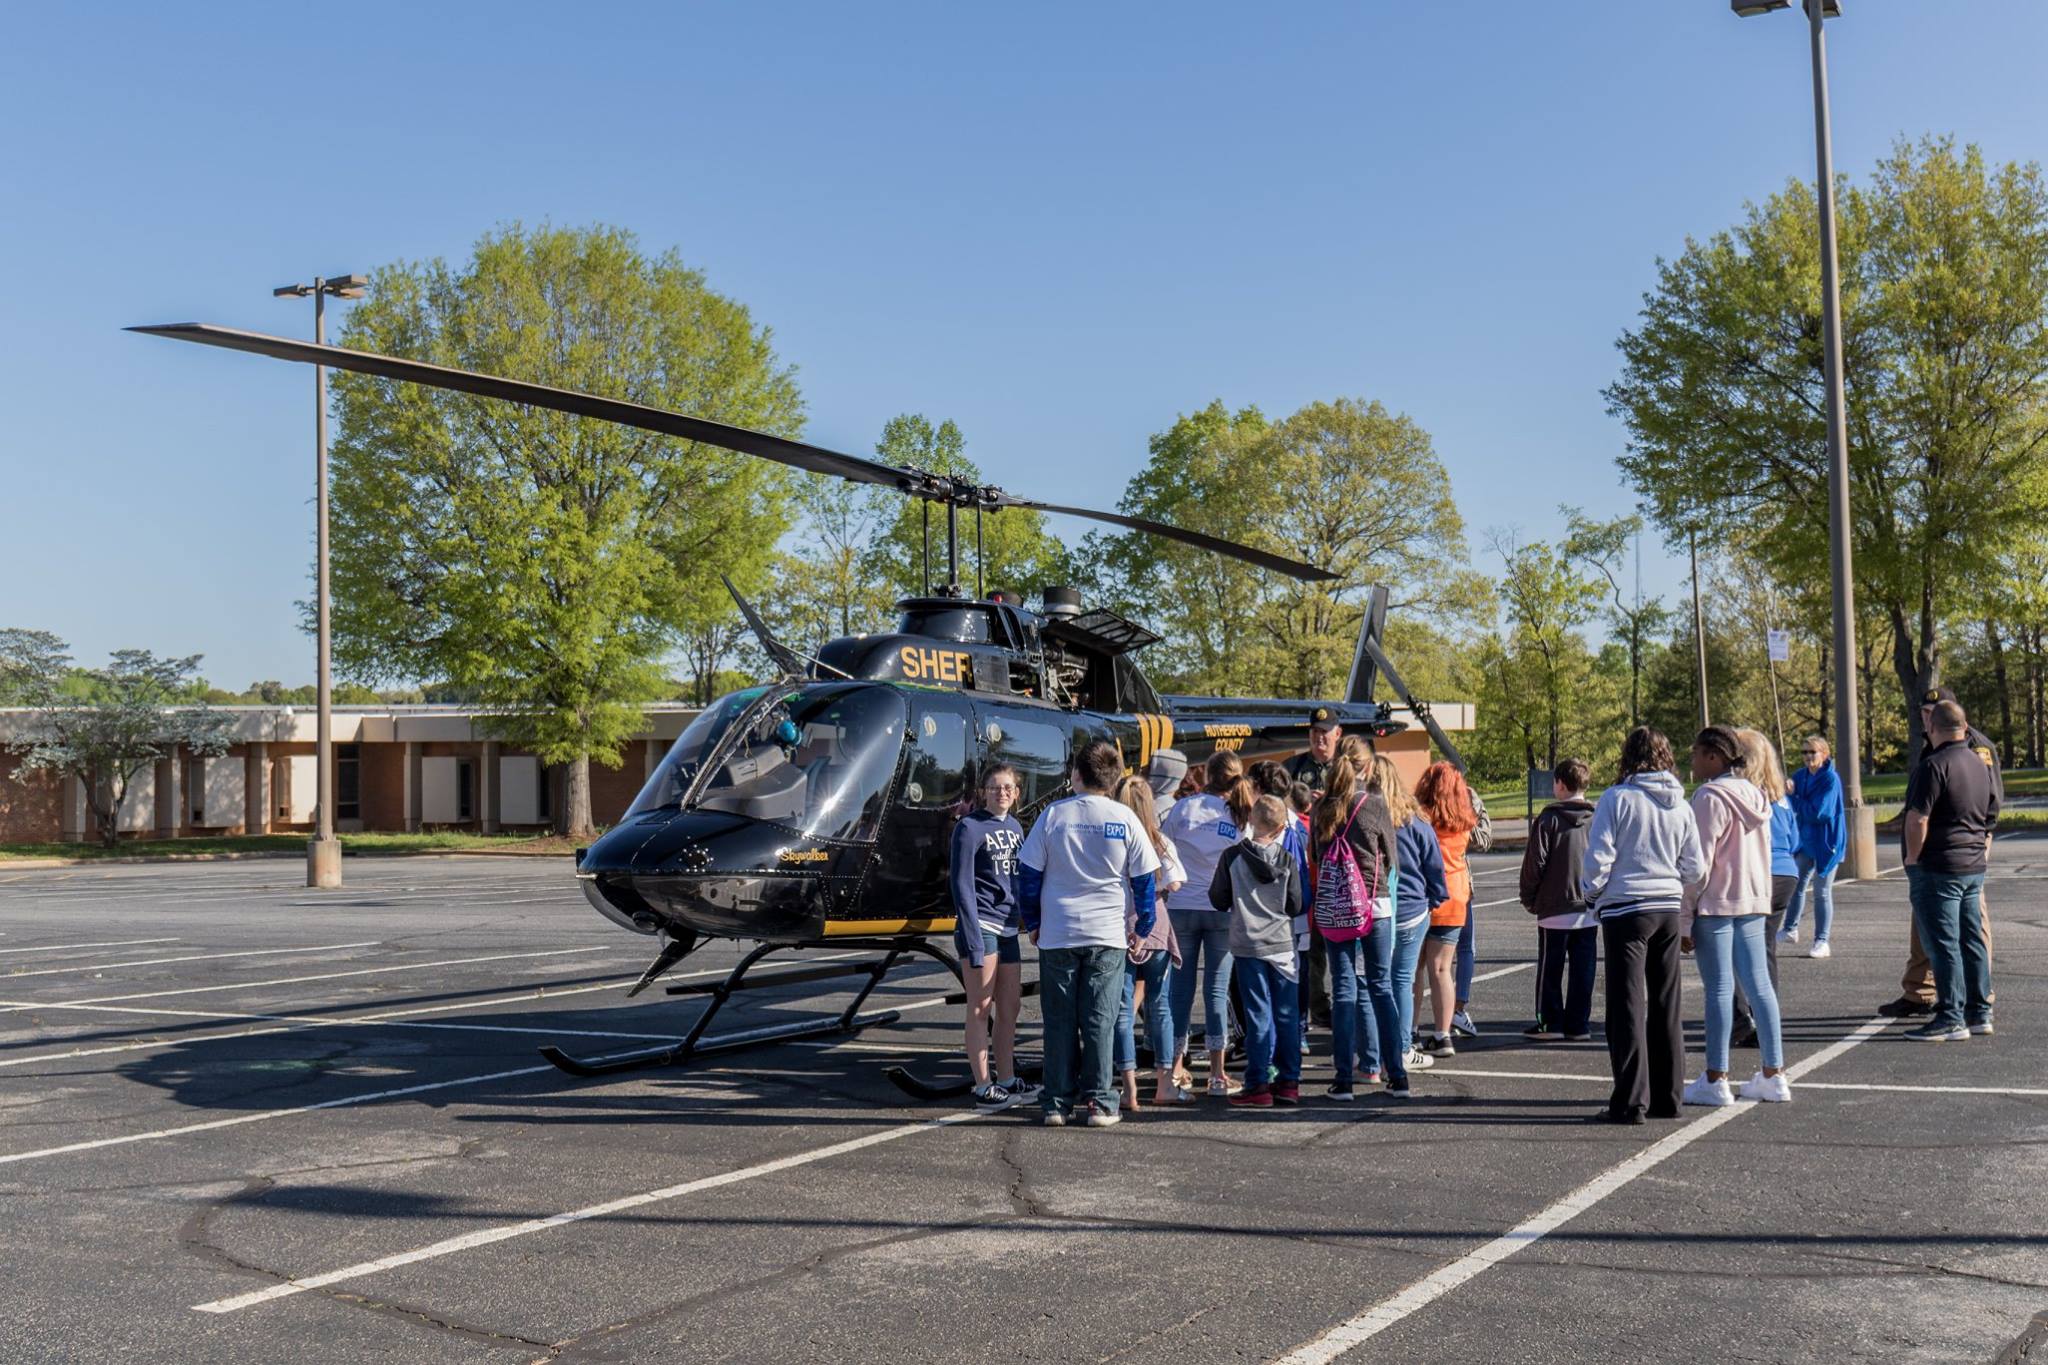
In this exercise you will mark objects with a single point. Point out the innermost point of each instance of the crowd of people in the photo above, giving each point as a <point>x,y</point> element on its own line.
<point>1326,891</point>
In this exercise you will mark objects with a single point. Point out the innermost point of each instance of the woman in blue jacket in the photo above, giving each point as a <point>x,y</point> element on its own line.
<point>1816,792</point>
<point>1419,887</point>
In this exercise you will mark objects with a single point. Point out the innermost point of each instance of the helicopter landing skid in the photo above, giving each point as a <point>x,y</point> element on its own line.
<point>847,1022</point>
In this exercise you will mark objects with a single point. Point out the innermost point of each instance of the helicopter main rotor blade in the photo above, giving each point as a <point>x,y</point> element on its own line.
<point>800,455</point>
<point>1265,559</point>
<point>797,454</point>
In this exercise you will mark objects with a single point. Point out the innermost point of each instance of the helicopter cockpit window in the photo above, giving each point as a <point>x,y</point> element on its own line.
<point>1038,752</point>
<point>938,760</point>
<point>664,790</point>
<point>819,763</point>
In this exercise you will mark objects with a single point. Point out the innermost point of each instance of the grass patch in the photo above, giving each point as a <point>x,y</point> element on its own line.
<point>352,845</point>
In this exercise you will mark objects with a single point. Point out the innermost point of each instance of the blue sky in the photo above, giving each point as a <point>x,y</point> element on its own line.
<point>1059,226</point>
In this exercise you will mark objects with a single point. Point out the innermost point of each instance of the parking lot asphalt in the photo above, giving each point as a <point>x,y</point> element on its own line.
<point>245,1121</point>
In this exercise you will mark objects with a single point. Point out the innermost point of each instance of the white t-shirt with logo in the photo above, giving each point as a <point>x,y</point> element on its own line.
<point>1087,849</point>
<point>1201,829</point>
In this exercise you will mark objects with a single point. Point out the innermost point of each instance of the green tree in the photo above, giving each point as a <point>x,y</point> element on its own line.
<point>1345,484</point>
<point>1944,267</point>
<point>1541,667</point>
<point>1017,552</point>
<point>541,563</point>
<point>140,713</point>
<point>1603,547</point>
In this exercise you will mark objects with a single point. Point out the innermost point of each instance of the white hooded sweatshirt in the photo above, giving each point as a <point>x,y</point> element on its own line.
<point>1643,849</point>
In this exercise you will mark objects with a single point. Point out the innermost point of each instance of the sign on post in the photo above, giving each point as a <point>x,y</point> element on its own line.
<point>1780,643</point>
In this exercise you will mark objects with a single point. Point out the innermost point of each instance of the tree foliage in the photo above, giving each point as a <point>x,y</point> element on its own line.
<point>1345,484</point>
<point>140,714</point>
<point>547,564</point>
<point>1944,280</point>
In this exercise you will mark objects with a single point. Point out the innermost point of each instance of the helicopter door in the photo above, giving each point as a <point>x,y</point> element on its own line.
<point>1037,748</point>
<point>937,788</point>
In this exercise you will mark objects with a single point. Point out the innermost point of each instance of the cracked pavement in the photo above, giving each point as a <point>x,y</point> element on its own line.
<point>1854,1225</point>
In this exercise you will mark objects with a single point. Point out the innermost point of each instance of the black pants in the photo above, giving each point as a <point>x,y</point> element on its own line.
<point>1645,1038</point>
<point>1781,899</point>
<point>1566,955</point>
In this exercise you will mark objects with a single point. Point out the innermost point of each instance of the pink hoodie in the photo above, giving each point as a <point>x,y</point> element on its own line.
<point>1735,839</point>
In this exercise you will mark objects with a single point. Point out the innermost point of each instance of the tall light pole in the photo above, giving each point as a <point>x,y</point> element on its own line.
<point>1862,853</point>
<point>323,854</point>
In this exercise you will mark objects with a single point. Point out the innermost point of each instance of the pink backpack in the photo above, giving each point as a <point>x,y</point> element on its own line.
<point>1344,899</point>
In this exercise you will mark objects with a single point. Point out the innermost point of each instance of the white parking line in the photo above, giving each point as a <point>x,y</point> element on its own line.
<point>1806,1085</point>
<point>107,943</point>
<point>196,957</point>
<point>350,1101</point>
<point>1488,905</point>
<point>488,1236</point>
<point>293,1023</point>
<point>1353,1332</point>
<point>1503,971</point>
<point>296,980</point>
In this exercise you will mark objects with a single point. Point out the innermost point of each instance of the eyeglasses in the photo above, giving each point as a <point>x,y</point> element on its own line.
<point>1001,787</point>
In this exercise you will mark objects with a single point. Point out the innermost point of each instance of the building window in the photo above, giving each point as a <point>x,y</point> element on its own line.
<point>465,790</point>
<point>545,795</point>
<point>348,781</point>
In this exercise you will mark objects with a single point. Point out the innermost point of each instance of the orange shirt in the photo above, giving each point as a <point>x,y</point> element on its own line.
<point>1457,876</point>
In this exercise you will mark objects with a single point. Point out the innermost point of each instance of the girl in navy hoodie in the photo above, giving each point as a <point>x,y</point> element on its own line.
<point>984,886</point>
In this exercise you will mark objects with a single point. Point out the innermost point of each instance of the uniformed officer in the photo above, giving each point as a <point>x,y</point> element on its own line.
<point>1916,986</point>
<point>1313,767</point>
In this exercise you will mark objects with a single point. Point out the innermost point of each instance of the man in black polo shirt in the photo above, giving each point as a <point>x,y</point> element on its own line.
<point>1951,809</point>
<point>1916,985</point>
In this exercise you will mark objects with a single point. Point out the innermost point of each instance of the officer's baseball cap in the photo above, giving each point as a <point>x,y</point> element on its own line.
<point>1935,696</point>
<point>1321,719</point>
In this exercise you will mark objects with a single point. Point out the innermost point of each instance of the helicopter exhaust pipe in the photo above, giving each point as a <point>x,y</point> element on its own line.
<point>1061,601</point>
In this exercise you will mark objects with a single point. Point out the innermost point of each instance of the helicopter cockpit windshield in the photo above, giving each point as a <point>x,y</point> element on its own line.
<point>816,760</point>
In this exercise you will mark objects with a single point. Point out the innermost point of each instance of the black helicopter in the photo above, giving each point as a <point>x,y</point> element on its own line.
<point>817,809</point>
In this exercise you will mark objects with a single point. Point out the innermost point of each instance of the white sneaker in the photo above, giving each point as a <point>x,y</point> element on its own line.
<point>1714,1094</point>
<point>1820,949</point>
<point>1770,1089</point>
<point>1788,936</point>
<point>1419,1060</point>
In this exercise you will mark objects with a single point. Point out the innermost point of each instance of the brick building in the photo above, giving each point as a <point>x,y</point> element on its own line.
<point>396,768</point>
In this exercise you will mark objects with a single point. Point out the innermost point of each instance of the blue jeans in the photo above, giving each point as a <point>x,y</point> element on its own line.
<point>1272,1023</point>
<point>1158,1012</point>
<point>1567,961</point>
<point>1823,898</point>
<point>1948,912</point>
<point>1378,1038</point>
<point>1203,934</point>
<point>1728,946</point>
<point>1468,955</point>
<point>1407,953</point>
<point>1077,995</point>
<point>1347,1015</point>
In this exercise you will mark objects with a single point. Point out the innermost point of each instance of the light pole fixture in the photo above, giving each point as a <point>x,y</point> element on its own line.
<point>323,854</point>
<point>1862,852</point>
